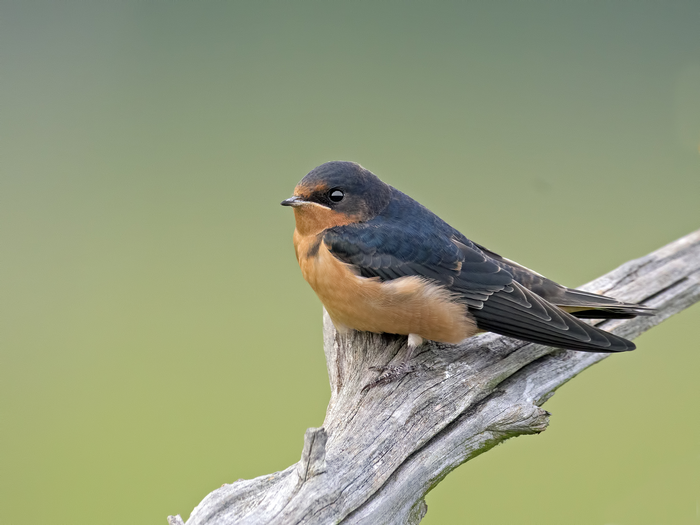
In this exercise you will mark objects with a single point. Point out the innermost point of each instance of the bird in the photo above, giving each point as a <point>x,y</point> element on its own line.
<point>381,262</point>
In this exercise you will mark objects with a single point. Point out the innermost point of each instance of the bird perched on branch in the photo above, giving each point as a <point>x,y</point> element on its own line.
<point>381,262</point>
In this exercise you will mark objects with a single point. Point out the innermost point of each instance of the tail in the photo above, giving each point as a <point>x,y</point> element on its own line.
<point>523,314</point>
<point>586,305</point>
<point>539,310</point>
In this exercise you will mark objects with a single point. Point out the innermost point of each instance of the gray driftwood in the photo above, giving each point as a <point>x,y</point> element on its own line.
<point>379,452</point>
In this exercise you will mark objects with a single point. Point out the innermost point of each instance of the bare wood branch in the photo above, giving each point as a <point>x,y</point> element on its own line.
<point>379,452</point>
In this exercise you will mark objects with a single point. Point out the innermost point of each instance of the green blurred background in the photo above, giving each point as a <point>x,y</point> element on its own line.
<point>156,337</point>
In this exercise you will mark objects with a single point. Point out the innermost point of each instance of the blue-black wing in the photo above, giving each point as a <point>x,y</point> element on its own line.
<point>411,241</point>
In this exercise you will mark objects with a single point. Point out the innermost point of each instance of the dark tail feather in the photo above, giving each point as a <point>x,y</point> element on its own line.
<point>522,314</point>
<point>604,314</point>
<point>526,333</point>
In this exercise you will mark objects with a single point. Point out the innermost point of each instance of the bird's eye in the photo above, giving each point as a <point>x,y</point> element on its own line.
<point>336,195</point>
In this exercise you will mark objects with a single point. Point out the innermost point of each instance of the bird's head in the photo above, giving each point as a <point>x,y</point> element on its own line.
<point>337,193</point>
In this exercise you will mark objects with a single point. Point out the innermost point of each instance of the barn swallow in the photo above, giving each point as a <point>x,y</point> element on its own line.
<point>381,262</point>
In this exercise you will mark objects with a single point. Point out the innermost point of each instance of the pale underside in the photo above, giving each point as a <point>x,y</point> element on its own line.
<point>409,305</point>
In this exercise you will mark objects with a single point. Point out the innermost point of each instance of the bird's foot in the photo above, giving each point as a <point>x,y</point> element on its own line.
<point>390,373</point>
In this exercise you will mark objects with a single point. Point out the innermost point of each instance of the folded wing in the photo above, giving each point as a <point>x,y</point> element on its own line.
<point>389,250</point>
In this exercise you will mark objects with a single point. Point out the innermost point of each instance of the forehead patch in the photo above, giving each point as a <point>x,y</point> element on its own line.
<point>306,190</point>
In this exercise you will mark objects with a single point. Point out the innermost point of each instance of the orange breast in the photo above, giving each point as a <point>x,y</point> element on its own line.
<point>409,305</point>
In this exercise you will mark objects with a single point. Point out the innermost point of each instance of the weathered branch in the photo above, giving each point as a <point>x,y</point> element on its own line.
<point>379,452</point>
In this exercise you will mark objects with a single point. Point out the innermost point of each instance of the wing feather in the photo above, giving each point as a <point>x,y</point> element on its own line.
<point>389,250</point>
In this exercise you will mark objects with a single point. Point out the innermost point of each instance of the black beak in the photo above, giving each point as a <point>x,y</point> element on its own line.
<point>293,201</point>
